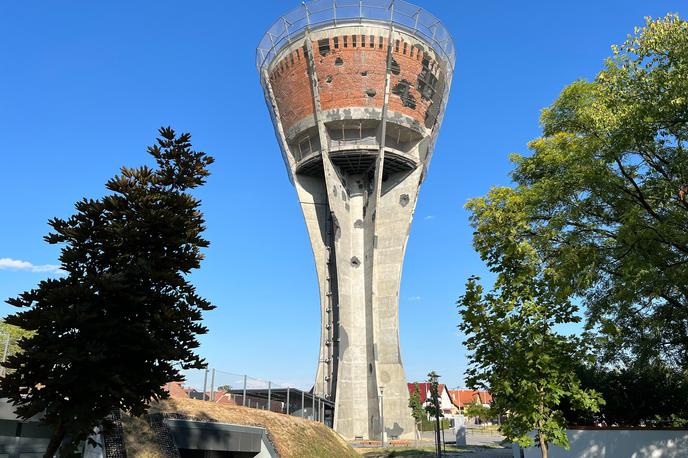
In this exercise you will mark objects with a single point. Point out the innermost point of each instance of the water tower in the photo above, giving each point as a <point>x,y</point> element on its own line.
<point>356,91</point>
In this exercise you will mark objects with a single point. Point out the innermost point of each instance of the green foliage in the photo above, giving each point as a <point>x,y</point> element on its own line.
<point>603,199</point>
<point>433,407</point>
<point>516,355</point>
<point>650,395</point>
<point>416,405</point>
<point>477,410</point>
<point>15,334</point>
<point>430,424</point>
<point>124,320</point>
<point>597,216</point>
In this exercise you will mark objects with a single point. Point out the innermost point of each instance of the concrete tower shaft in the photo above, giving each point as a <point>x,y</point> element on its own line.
<point>356,91</point>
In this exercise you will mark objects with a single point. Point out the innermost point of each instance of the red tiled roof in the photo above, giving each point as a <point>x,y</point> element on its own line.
<point>424,389</point>
<point>463,397</point>
<point>176,390</point>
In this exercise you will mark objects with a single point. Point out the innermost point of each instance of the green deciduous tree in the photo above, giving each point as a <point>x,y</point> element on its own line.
<point>477,410</point>
<point>124,319</point>
<point>603,199</point>
<point>434,407</point>
<point>515,353</point>
<point>416,406</point>
<point>638,394</point>
<point>11,335</point>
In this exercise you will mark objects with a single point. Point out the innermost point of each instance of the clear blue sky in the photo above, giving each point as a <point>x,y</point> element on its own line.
<point>84,85</point>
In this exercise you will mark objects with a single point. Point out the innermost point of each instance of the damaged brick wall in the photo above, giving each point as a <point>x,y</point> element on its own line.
<point>351,73</point>
<point>355,69</point>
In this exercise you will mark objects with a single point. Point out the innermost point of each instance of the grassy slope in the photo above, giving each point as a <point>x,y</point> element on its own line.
<point>293,437</point>
<point>139,438</point>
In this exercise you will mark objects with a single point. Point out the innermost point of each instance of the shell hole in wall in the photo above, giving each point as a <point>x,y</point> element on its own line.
<point>394,67</point>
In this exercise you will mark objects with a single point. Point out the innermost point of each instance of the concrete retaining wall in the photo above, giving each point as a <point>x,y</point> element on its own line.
<point>619,443</point>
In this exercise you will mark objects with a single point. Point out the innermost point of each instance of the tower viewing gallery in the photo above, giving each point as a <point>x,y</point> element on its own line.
<point>356,91</point>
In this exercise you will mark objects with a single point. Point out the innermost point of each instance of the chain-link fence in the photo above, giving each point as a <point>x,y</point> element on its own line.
<point>226,388</point>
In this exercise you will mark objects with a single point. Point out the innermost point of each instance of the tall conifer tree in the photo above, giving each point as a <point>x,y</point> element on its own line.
<point>124,319</point>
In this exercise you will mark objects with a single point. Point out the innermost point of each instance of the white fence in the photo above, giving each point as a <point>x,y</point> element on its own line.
<point>618,443</point>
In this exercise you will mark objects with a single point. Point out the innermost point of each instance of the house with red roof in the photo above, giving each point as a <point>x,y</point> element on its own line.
<point>177,390</point>
<point>447,406</point>
<point>462,397</point>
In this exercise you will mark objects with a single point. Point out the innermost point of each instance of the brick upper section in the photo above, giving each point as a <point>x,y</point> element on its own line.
<point>292,87</point>
<point>351,76</point>
<point>351,73</point>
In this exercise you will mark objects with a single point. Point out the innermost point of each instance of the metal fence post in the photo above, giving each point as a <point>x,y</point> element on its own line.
<point>244,400</point>
<point>287,400</point>
<point>205,382</point>
<point>303,404</point>
<point>269,395</point>
<point>212,386</point>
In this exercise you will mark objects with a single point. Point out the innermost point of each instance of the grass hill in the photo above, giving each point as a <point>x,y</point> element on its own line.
<point>292,437</point>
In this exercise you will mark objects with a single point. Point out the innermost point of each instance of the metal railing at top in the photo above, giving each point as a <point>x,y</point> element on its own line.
<point>318,13</point>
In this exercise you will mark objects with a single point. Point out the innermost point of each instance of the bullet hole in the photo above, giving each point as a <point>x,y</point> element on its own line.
<point>355,261</point>
<point>404,200</point>
<point>347,207</point>
<point>402,89</point>
<point>370,92</point>
<point>334,190</point>
<point>324,46</point>
<point>358,224</point>
<point>328,79</point>
<point>364,73</point>
<point>338,62</point>
<point>370,367</point>
<point>343,195</point>
<point>394,67</point>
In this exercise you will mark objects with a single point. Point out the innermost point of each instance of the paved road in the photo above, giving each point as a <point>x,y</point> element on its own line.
<point>473,437</point>
<point>494,453</point>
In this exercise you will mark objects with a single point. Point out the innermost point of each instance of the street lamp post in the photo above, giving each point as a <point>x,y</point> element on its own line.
<point>382,415</point>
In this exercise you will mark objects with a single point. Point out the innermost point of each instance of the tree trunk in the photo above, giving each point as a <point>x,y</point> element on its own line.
<point>543,447</point>
<point>437,434</point>
<point>55,441</point>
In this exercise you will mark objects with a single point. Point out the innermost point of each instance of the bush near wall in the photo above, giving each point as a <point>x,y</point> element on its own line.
<point>429,425</point>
